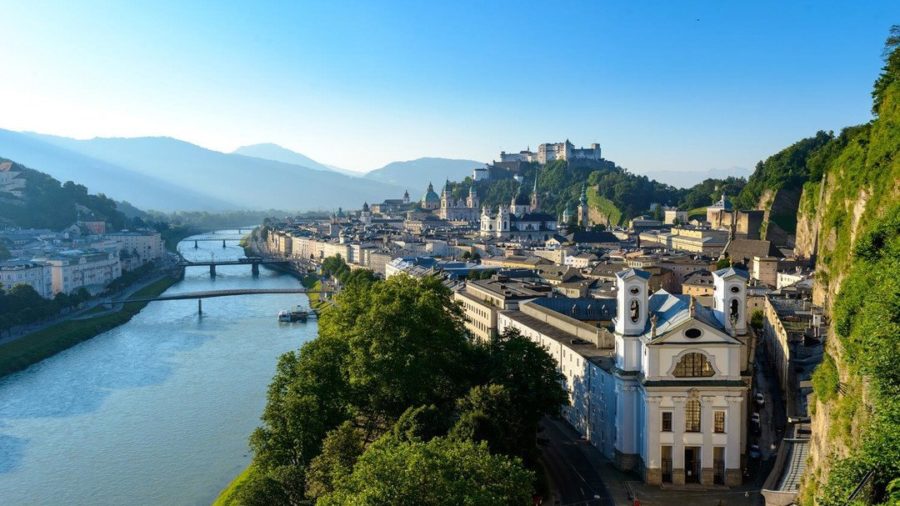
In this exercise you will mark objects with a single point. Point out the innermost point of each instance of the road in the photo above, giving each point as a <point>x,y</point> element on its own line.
<point>573,476</point>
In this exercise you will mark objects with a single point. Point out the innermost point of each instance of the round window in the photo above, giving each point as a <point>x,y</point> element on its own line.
<point>693,333</point>
<point>635,290</point>
<point>735,289</point>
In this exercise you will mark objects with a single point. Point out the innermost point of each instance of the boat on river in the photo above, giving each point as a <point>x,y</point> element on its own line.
<point>297,314</point>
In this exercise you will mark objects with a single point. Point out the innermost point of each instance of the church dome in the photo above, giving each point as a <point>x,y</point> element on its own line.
<point>431,196</point>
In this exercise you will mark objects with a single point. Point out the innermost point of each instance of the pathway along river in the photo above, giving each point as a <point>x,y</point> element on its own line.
<point>156,411</point>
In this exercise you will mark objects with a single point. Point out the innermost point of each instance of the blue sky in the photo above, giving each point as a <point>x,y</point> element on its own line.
<point>660,85</point>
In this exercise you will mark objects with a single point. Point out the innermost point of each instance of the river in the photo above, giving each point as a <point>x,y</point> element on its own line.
<point>156,411</point>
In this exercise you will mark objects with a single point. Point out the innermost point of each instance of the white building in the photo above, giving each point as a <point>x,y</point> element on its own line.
<point>139,247</point>
<point>92,270</point>
<point>26,272</point>
<point>522,220</point>
<point>668,399</point>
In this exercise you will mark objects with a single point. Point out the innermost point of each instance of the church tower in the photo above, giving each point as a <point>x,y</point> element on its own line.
<point>583,208</point>
<point>535,204</point>
<point>632,296</point>
<point>406,197</point>
<point>445,196</point>
<point>472,199</point>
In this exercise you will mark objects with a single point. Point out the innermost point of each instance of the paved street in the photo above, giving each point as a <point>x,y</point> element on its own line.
<point>568,461</point>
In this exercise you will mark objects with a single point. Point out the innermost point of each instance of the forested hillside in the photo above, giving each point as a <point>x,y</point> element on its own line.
<point>47,203</point>
<point>849,219</point>
<point>613,192</point>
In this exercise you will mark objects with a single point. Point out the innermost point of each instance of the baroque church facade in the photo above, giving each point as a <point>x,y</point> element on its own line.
<point>522,220</point>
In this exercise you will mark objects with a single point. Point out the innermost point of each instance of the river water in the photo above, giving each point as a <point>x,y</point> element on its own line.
<point>156,411</point>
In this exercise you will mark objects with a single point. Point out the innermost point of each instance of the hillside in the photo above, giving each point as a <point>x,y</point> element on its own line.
<point>612,191</point>
<point>849,221</point>
<point>32,199</point>
<point>276,153</point>
<point>247,182</point>
<point>101,176</point>
<point>414,175</point>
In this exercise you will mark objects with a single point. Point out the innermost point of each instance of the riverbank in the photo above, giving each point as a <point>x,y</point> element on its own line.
<point>36,346</point>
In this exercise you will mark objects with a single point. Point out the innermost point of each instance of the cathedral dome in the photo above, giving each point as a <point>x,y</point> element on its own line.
<point>430,196</point>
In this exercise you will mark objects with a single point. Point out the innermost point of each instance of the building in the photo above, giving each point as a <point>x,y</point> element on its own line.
<point>698,284</point>
<point>672,216</point>
<point>138,247</point>
<point>11,180</point>
<point>480,174</point>
<point>692,240</point>
<point>75,269</point>
<point>522,220</point>
<point>656,382</point>
<point>549,152</point>
<point>765,270</point>
<point>37,275</point>
<point>430,200</point>
<point>461,209</point>
<point>481,299</point>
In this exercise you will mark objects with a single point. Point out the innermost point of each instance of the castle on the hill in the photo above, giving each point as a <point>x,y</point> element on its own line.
<point>549,152</point>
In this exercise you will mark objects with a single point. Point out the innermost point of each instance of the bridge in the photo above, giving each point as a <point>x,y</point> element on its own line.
<point>209,294</point>
<point>213,239</point>
<point>252,261</point>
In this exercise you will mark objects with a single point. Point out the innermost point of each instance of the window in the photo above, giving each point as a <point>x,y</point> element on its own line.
<point>719,422</point>
<point>692,416</point>
<point>693,365</point>
<point>667,421</point>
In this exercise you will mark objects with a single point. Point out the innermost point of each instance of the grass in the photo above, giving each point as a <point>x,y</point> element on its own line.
<point>604,205</point>
<point>37,346</point>
<point>225,498</point>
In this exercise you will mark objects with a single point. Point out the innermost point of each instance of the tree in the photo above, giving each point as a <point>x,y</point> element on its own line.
<point>723,263</point>
<point>406,344</point>
<point>4,253</point>
<point>340,450</point>
<point>438,472</point>
<point>488,414</point>
<point>307,398</point>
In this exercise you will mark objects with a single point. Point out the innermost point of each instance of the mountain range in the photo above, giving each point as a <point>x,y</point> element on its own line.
<point>166,174</point>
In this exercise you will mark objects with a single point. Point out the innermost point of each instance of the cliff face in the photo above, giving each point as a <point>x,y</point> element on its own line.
<point>858,193</point>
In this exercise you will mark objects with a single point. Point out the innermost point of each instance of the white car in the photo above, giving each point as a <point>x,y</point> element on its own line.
<point>760,399</point>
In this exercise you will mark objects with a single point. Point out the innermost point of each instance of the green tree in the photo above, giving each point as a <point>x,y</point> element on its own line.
<point>407,345</point>
<point>438,472</point>
<point>307,398</point>
<point>340,450</point>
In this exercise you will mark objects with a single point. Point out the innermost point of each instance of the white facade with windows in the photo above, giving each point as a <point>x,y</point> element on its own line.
<point>25,272</point>
<point>669,399</point>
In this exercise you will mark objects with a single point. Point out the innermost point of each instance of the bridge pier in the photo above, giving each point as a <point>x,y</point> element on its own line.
<point>223,243</point>
<point>254,269</point>
<point>199,306</point>
<point>212,270</point>
<point>195,245</point>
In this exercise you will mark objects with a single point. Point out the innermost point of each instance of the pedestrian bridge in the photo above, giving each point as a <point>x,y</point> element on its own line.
<point>253,262</point>
<point>208,294</point>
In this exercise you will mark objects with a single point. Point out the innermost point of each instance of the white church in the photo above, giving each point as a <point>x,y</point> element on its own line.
<point>656,381</point>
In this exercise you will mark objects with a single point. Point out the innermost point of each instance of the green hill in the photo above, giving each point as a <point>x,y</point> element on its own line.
<point>849,219</point>
<point>46,203</point>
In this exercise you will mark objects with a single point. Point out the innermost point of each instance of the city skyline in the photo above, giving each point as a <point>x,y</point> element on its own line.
<point>696,86</point>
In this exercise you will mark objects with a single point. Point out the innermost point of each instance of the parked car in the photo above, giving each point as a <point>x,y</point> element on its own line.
<point>754,452</point>
<point>760,399</point>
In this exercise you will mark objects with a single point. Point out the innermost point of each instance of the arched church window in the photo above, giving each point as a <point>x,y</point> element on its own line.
<point>635,310</point>
<point>693,365</point>
<point>734,309</point>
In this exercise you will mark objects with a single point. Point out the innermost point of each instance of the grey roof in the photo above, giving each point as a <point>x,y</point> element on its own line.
<point>584,309</point>
<point>673,310</point>
<point>731,271</point>
<point>633,272</point>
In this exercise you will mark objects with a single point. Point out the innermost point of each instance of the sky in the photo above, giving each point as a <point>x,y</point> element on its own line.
<point>660,85</point>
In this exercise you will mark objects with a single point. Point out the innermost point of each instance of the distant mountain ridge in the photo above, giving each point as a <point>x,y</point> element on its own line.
<point>414,175</point>
<point>276,153</point>
<point>168,174</point>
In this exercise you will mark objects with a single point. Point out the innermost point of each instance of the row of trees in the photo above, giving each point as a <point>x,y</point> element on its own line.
<point>21,305</point>
<point>392,404</point>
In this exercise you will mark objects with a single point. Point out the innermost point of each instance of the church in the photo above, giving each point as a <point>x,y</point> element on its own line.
<point>657,382</point>
<point>522,220</point>
<point>458,210</point>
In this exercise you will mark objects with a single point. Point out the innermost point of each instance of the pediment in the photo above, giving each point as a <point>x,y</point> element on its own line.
<point>694,331</point>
